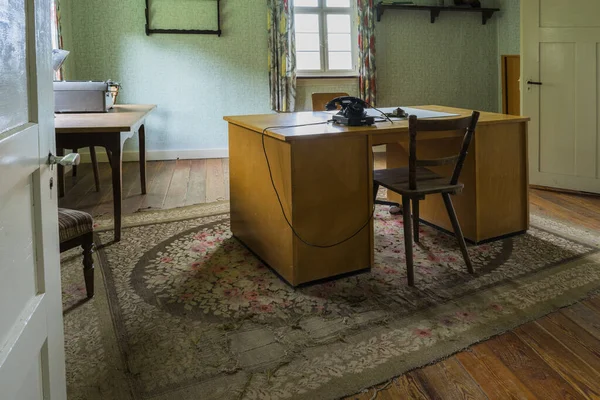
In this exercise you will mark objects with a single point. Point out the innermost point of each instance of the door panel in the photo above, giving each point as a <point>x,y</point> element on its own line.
<point>561,49</point>
<point>29,390</point>
<point>572,13</point>
<point>586,132</point>
<point>557,105</point>
<point>27,351</point>
<point>598,111</point>
<point>31,335</point>
<point>17,273</point>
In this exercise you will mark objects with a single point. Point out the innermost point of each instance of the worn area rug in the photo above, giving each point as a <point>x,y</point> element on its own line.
<point>184,311</point>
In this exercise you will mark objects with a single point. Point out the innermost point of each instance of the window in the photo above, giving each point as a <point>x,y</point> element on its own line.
<point>326,38</point>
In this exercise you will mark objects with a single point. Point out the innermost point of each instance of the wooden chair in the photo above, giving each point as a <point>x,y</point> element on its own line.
<point>94,166</point>
<point>320,99</point>
<point>76,228</point>
<point>415,182</point>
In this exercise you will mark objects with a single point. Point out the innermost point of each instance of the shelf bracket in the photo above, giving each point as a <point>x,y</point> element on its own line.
<point>485,16</point>
<point>379,12</point>
<point>434,13</point>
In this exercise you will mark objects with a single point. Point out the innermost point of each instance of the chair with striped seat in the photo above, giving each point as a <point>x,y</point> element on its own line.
<point>76,228</point>
<point>416,181</point>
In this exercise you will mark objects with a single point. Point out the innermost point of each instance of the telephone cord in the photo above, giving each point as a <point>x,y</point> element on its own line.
<point>306,242</point>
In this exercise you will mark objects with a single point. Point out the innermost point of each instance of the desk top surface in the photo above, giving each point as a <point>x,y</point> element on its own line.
<point>121,118</point>
<point>270,122</point>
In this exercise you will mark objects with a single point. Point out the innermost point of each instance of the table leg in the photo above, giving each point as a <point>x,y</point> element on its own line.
<point>116,163</point>
<point>74,171</point>
<point>60,173</point>
<point>95,167</point>
<point>142,141</point>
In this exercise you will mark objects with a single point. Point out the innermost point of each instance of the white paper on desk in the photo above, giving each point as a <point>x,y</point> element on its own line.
<point>420,113</point>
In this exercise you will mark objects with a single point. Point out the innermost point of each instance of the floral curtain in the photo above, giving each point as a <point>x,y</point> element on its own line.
<point>282,55</point>
<point>366,50</point>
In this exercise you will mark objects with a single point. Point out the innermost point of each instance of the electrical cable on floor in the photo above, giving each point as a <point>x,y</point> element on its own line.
<point>279,198</point>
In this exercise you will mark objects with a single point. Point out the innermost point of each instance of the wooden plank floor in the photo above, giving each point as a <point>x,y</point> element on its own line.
<point>555,357</point>
<point>170,184</point>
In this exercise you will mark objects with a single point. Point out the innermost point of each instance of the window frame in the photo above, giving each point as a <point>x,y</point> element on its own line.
<point>322,10</point>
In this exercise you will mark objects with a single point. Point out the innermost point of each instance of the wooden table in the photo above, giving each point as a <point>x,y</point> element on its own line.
<point>324,175</point>
<point>108,130</point>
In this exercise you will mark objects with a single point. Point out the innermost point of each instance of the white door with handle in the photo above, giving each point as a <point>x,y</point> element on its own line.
<point>31,327</point>
<point>560,46</point>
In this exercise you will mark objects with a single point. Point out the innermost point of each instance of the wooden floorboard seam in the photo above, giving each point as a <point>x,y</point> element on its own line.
<point>566,347</point>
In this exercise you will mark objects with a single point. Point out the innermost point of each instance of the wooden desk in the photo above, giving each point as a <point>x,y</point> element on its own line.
<point>324,176</point>
<point>108,130</point>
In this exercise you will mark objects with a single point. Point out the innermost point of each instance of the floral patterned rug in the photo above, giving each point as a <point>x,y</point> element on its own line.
<point>184,311</point>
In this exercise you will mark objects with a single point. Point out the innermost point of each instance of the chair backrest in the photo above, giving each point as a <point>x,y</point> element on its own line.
<point>431,125</point>
<point>320,99</point>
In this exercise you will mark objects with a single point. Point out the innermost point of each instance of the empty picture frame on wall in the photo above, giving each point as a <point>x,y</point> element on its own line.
<point>184,14</point>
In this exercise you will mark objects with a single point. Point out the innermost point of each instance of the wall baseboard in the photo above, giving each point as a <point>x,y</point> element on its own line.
<point>156,155</point>
<point>160,155</point>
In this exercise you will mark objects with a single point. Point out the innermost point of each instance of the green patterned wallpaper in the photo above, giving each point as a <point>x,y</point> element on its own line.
<point>67,36</point>
<point>509,27</point>
<point>197,79</point>
<point>451,62</point>
<point>194,79</point>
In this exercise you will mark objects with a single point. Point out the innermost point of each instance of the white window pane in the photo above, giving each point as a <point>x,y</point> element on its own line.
<point>338,23</point>
<point>340,60</point>
<point>306,3</point>
<point>339,42</point>
<point>307,23</point>
<point>308,60</point>
<point>308,42</point>
<point>336,3</point>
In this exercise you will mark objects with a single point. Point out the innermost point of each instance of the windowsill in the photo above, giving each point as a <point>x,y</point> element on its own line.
<point>327,77</point>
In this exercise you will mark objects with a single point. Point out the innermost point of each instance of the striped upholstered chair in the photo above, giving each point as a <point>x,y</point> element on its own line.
<point>76,228</point>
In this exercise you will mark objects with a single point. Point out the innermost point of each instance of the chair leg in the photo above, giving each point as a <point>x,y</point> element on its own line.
<point>458,231</point>
<point>95,167</point>
<point>88,263</point>
<point>410,272</point>
<point>384,202</point>
<point>415,220</point>
<point>74,168</point>
<point>375,190</point>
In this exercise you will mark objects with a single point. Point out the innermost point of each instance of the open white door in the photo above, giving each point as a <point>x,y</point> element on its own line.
<point>560,45</point>
<point>31,329</point>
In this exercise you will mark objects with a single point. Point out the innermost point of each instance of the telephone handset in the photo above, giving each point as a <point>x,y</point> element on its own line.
<point>352,113</point>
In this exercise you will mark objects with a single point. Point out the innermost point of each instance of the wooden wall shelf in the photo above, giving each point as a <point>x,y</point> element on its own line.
<point>434,11</point>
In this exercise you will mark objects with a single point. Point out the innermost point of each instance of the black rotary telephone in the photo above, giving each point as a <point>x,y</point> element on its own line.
<point>352,113</point>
